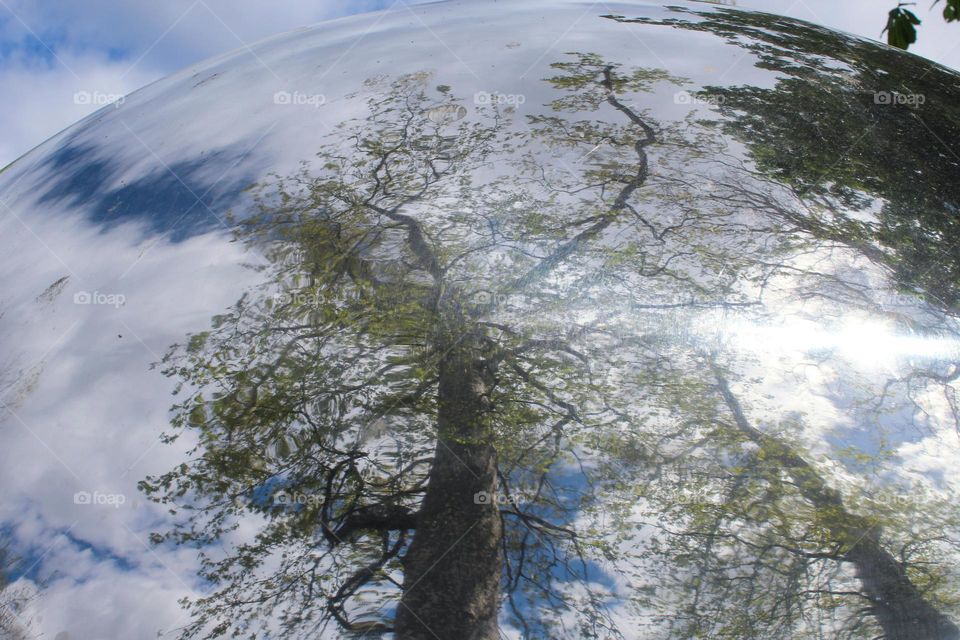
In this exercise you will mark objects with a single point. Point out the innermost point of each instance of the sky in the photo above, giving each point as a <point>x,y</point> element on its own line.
<point>61,59</point>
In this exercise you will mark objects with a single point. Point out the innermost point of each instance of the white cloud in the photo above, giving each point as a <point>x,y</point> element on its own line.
<point>51,98</point>
<point>106,47</point>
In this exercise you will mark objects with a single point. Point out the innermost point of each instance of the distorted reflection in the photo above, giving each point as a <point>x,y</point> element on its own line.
<point>648,356</point>
<point>451,313</point>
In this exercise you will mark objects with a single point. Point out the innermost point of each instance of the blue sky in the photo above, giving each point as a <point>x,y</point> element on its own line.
<point>62,59</point>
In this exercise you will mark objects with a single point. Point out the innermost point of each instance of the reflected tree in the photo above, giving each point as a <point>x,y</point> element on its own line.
<point>878,204</point>
<point>871,160</point>
<point>475,375</point>
<point>402,401</point>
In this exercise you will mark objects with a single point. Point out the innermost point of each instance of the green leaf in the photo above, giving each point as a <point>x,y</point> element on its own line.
<point>951,12</point>
<point>282,447</point>
<point>197,341</point>
<point>198,416</point>
<point>901,31</point>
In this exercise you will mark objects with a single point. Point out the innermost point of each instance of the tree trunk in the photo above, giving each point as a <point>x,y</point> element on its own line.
<point>452,570</point>
<point>900,608</point>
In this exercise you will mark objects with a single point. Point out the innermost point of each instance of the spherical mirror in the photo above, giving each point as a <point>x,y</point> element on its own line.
<point>494,321</point>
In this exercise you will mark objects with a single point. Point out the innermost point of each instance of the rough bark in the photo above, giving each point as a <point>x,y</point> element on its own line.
<point>453,567</point>
<point>898,605</point>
